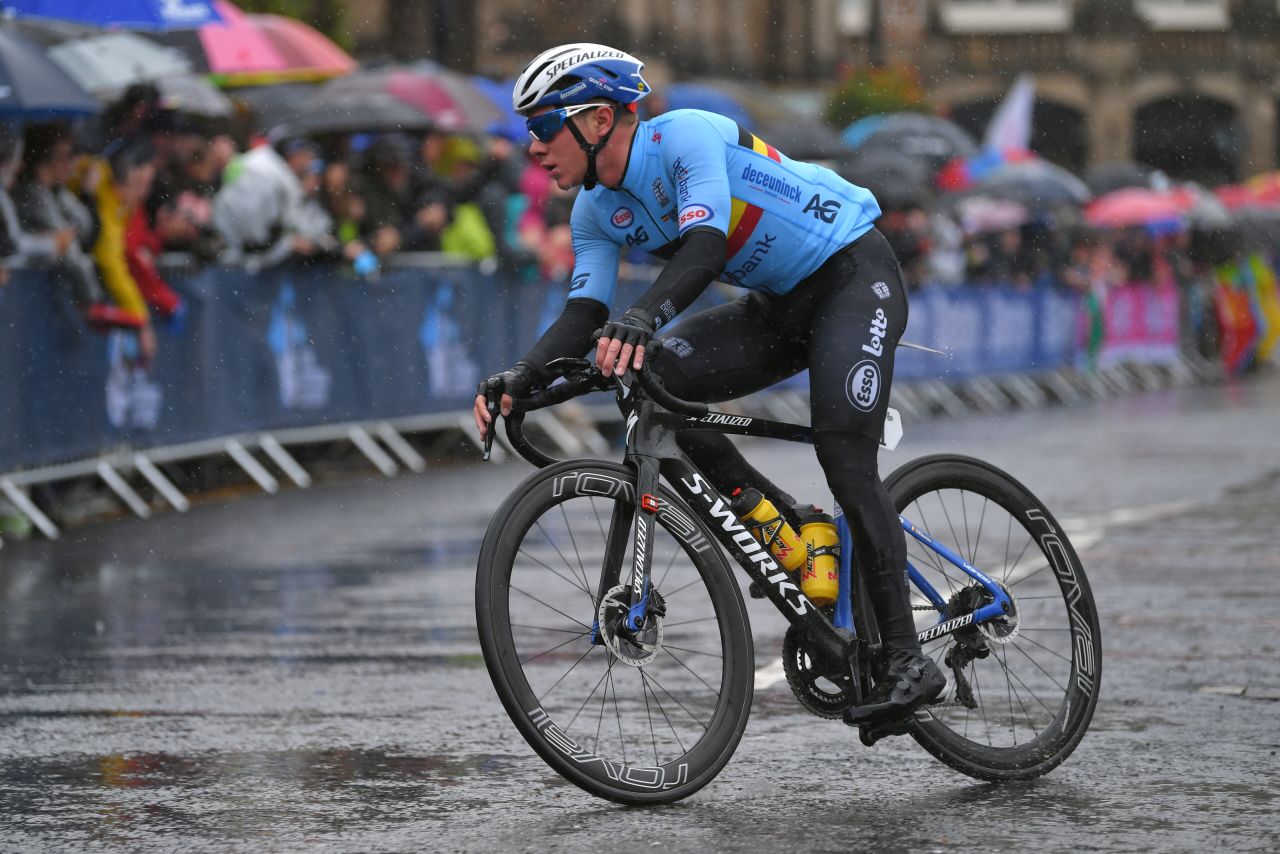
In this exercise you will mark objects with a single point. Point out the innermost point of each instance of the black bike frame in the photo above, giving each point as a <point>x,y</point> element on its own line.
<point>652,449</point>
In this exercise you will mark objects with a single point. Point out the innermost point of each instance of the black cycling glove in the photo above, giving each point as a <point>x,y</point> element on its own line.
<point>632,328</point>
<point>517,381</point>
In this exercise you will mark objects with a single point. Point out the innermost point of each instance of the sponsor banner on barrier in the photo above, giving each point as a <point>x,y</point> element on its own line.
<point>293,348</point>
<point>1140,324</point>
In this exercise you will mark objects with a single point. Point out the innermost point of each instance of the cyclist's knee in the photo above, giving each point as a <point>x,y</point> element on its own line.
<point>847,458</point>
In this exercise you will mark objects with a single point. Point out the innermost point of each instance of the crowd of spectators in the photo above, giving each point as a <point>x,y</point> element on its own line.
<point>98,207</point>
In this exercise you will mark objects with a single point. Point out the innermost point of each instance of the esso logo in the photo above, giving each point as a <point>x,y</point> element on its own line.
<point>622,217</point>
<point>693,214</point>
<point>863,385</point>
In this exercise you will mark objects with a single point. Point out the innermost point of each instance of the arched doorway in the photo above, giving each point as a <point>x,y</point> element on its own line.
<point>1190,137</point>
<point>1058,132</point>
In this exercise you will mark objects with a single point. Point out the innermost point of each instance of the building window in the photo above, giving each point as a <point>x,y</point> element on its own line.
<point>853,17</point>
<point>1184,15</point>
<point>970,17</point>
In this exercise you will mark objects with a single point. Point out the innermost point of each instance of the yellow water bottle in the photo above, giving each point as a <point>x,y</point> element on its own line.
<point>767,525</point>
<point>820,578</point>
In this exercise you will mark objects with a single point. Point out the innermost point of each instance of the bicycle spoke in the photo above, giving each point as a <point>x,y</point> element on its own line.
<point>1061,687</point>
<point>679,743</point>
<point>542,699</point>
<point>692,651</point>
<point>556,548</point>
<point>553,649</point>
<point>693,673</point>
<point>599,682</point>
<point>551,607</point>
<point>676,700</point>
<point>574,541</point>
<point>573,581</point>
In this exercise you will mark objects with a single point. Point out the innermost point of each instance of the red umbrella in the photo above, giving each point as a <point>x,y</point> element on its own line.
<point>1134,206</point>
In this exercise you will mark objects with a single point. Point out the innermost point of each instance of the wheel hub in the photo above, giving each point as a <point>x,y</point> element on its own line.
<point>636,648</point>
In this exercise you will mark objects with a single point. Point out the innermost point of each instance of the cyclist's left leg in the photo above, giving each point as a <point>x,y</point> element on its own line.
<point>855,329</point>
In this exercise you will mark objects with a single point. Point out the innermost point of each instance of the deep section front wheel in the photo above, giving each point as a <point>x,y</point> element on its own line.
<point>1022,688</point>
<point>635,717</point>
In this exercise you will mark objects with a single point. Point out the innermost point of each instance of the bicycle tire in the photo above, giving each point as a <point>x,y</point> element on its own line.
<point>547,533</point>
<point>1054,639</point>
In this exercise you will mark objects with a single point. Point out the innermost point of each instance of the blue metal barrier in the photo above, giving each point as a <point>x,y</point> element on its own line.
<point>302,347</point>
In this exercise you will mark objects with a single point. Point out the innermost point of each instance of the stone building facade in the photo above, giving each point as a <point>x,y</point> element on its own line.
<point>1188,85</point>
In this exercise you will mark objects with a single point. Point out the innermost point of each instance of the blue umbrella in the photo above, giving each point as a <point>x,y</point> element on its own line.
<point>33,87</point>
<point>131,14</point>
<point>696,96</point>
<point>512,126</point>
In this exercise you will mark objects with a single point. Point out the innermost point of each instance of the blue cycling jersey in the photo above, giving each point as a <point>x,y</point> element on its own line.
<point>689,168</point>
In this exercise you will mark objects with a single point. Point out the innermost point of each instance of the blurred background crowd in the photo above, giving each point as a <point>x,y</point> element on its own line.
<point>253,140</point>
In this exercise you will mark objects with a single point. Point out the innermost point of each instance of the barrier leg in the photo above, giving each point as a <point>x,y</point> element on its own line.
<point>161,484</point>
<point>273,449</point>
<point>364,442</point>
<point>122,488</point>
<point>252,467</point>
<point>402,449</point>
<point>19,499</point>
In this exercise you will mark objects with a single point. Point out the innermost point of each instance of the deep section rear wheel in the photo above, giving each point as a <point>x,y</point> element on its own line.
<point>1022,689</point>
<point>644,718</point>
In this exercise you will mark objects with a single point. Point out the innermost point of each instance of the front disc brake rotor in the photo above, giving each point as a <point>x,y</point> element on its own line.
<point>635,648</point>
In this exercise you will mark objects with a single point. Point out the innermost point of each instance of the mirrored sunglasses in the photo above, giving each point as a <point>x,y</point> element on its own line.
<point>544,128</point>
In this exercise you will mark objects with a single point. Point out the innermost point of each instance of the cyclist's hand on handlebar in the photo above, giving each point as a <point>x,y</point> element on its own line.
<point>622,344</point>
<point>517,381</point>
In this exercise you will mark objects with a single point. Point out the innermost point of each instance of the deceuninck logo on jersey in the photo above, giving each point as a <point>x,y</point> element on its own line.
<point>622,217</point>
<point>863,385</point>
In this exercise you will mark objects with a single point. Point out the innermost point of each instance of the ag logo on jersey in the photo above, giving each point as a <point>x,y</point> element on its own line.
<point>863,385</point>
<point>693,215</point>
<point>622,218</point>
<point>823,209</point>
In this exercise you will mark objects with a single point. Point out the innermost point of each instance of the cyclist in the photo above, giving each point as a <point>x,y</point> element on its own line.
<point>824,292</point>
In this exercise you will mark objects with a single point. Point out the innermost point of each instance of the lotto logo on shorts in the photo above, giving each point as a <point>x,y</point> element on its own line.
<point>881,290</point>
<point>622,217</point>
<point>693,215</point>
<point>863,385</point>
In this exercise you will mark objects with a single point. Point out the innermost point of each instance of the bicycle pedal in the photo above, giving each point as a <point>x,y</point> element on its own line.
<point>869,734</point>
<point>756,591</point>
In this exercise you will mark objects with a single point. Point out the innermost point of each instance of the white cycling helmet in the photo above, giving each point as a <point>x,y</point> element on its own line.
<point>594,71</point>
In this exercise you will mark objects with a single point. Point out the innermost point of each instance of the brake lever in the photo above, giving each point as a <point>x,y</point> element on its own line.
<point>492,404</point>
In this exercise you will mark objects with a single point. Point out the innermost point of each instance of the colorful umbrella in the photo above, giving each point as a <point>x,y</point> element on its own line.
<point>33,87</point>
<point>251,50</point>
<point>1135,206</point>
<point>112,61</point>
<point>962,173</point>
<point>129,14</point>
<point>452,102</point>
<point>304,48</point>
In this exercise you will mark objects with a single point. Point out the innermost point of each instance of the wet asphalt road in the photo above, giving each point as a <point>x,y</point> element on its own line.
<point>302,673</point>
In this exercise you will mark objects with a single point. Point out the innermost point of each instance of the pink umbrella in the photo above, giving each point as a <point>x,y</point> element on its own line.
<point>452,102</point>
<point>246,50</point>
<point>303,47</point>
<point>1134,206</point>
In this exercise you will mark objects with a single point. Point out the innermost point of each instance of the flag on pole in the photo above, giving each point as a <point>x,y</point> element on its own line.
<point>1010,126</point>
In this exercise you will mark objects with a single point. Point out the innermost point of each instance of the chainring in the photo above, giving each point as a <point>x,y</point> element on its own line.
<point>825,695</point>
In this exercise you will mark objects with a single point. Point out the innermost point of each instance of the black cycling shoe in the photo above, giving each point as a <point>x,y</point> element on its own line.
<point>911,680</point>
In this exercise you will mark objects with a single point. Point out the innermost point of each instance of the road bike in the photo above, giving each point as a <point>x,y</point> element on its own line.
<point>617,636</point>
